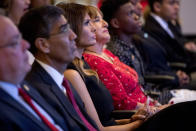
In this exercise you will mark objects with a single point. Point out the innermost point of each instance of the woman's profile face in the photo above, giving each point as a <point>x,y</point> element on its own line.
<point>87,37</point>
<point>101,26</point>
<point>17,9</point>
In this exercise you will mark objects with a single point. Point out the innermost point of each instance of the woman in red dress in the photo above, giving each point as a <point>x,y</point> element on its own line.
<point>120,79</point>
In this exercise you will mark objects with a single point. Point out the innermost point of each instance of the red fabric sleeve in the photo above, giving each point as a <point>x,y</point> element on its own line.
<point>121,98</point>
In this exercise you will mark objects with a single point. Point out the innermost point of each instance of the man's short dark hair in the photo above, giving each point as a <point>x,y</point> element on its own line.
<point>38,22</point>
<point>110,7</point>
<point>151,3</point>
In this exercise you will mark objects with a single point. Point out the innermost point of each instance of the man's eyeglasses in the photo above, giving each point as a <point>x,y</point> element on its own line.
<point>63,29</point>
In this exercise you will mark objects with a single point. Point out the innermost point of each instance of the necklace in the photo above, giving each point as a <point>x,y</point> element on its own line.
<point>102,55</point>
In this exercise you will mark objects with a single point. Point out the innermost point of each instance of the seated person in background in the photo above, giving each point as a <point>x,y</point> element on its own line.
<point>157,25</point>
<point>14,9</point>
<point>124,41</point>
<point>82,24</point>
<point>53,45</point>
<point>176,27</point>
<point>17,112</point>
<point>121,43</point>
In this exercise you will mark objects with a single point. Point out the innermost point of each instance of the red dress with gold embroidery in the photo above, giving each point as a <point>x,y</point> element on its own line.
<point>119,79</point>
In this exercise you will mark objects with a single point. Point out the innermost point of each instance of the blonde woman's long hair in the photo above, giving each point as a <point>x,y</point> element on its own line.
<point>79,64</point>
<point>93,11</point>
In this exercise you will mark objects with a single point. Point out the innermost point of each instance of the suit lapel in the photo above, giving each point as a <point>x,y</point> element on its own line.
<point>66,103</point>
<point>58,93</point>
<point>20,108</point>
<point>177,34</point>
<point>155,24</point>
<point>36,97</point>
<point>178,46</point>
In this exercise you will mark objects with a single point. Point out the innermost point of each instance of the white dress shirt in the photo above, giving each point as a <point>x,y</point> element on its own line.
<point>56,76</point>
<point>30,57</point>
<point>163,24</point>
<point>12,90</point>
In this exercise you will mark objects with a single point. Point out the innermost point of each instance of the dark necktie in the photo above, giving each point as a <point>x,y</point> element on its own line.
<point>73,101</point>
<point>28,100</point>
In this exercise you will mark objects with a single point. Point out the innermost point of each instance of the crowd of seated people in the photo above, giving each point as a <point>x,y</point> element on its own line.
<point>44,25</point>
<point>125,40</point>
<point>86,37</point>
<point>72,81</point>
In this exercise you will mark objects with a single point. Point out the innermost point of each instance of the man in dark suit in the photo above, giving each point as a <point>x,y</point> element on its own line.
<point>158,26</point>
<point>16,113</point>
<point>53,45</point>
